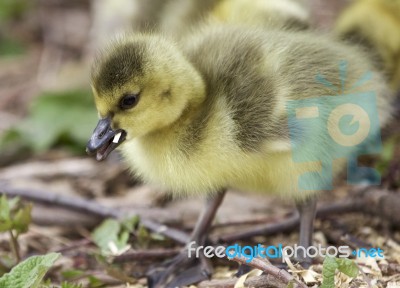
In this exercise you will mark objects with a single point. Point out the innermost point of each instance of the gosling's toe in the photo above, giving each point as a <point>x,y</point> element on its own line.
<point>179,271</point>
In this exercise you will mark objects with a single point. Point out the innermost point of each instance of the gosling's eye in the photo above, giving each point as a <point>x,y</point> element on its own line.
<point>128,101</point>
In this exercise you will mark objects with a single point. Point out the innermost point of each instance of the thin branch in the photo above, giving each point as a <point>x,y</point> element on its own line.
<point>93,208</point>
<point>246,222</point>
<point>265,266</point>
<point>263,281</point>
<point>267,281</point>
<point>390,269</point>
<point>292,222</point>
<point>372,201</point>
<point>340,235</point>
<point>14,246</point>
<point>77,244</point>
<point>225,283</point>
<point>146,255</point>
<point>365,277</point>
<point>286,225</point>
<point>4,266</point>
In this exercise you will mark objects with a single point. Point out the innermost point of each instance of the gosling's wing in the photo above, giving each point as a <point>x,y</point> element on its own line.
<point>257,72</point>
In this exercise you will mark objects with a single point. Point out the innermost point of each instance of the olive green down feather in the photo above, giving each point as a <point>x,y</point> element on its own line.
<point>212,112</point>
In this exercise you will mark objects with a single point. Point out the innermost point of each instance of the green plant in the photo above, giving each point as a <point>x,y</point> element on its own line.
<point>15,217</point>
<point>112,236</point>
<point>29,273</point>
<point>11,9</point>
<point>55,119</point>
<point>346,266</point>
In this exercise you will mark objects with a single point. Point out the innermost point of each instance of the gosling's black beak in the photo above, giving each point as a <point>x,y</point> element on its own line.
<point>104,139</point>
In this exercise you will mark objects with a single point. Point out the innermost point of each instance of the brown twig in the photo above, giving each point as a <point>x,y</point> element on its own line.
<point>292,222</point>
<point>223,283</point>
<point>265,266</point>
<point>263,281</point>
<point>87,206</point>
<point>14,246</point>
<point>390,269</point>
<point>4,266</point>
<point>340,235</point>
<point>365,277</point>
<point>246,222</point>
<point>270,229</point>
<point>373,201</point>
<point>77,244</point>
<point>146,255</point>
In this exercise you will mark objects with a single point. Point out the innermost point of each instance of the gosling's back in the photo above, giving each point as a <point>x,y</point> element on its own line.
<point>239,137</point>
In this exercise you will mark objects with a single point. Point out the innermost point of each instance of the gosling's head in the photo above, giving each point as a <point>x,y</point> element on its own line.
<point>141,84</point>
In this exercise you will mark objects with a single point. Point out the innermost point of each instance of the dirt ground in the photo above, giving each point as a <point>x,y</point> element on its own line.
<point>57,39</point>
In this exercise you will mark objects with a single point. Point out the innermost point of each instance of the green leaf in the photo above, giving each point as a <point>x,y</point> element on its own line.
<point>95,282</point>
<point>63,118</point>
<point>386,155</point>
<point>157,237</point>
<point>29,273</point>
<point>70,285</point>
<point>46,284</point>
<point>131,223</point>
<point>13,203</point>
<point>5,219</point>
<point>14,215</point>
<point>10,9</point>
<point>22,219</point>
<point>71,274</point>
<point>7,262</point>
<point>143,237</point>
<point>71,114</point>
<point>348,267</point>
<point>4,208</point>
<point>11,47</point>
<point>105,233</point>
<point>328,272</point>
<point>112,237</point>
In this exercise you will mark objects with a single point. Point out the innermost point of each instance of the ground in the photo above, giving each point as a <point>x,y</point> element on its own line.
<point>46,49</point>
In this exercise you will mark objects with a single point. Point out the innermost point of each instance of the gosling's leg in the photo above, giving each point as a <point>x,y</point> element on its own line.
<point>183,270</point>
<point>307,209</point>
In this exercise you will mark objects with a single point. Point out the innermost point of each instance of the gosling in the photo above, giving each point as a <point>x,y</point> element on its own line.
<point>180,18</point>
<point>380,33</point>
<point>211,112</point>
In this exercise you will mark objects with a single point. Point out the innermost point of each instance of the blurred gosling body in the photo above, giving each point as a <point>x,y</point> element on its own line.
<point>180,18</point>
<point>376,25</point>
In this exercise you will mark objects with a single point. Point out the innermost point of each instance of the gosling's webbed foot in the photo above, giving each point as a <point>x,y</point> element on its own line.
<point>242,270</point>
<point>179,271</point>
<point>183,270</point>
